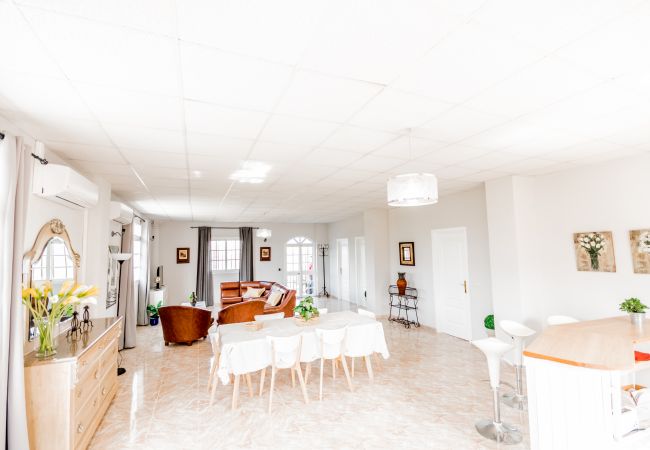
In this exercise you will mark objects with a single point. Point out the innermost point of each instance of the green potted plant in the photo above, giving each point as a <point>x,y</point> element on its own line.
<point>489,325</point>
<point>153,313</point>
<point>306,309</point>
<point>192,299</point>
<point>635,309</point>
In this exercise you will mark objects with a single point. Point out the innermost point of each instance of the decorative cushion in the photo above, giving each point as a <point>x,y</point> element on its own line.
<point>253,292</point>
<point>274,298</point>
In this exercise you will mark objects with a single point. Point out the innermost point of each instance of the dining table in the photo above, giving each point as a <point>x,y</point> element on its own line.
<point>245,349</point>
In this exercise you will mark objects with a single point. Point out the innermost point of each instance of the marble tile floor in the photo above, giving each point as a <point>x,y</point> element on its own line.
<point>427,395</point>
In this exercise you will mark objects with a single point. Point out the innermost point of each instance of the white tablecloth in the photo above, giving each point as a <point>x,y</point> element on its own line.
<point>244,350</point>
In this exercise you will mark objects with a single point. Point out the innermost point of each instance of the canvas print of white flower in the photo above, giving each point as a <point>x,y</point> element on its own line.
<point>594,251</point>
<point>640,247</point>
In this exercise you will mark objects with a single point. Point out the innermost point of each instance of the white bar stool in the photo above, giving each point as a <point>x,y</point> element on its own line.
<point>494,429</point>
<point>518,332</point>
<point>560,320</point>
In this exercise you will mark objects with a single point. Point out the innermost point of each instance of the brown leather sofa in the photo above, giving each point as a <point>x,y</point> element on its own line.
<point>232,292</point>
<point>184,324</point>
<point>241,312</point>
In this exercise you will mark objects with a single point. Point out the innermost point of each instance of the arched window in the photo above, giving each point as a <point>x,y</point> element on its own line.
<point>300,265</point>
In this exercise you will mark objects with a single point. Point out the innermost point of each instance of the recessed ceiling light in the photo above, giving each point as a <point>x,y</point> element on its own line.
<point>251,172</point>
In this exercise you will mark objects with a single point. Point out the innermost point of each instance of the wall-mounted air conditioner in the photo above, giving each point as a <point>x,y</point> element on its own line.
<point>121,213</point>
<point>64,185</point>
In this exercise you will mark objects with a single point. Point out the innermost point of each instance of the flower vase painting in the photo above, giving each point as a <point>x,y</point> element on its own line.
<point>594,251</point>
<point>640,246</point>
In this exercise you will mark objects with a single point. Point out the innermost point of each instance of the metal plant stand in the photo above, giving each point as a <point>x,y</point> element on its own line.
<point>404,304</point>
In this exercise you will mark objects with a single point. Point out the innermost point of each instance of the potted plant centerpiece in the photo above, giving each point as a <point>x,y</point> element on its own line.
<point>489,325</point>
<point>47,309</point>
<point>635,309</point>
<point>153,313</point>
<point>306,310</point>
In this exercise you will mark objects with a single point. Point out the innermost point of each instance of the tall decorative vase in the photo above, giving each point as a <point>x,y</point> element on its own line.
<point>47,332</point>
<point>401,283</point>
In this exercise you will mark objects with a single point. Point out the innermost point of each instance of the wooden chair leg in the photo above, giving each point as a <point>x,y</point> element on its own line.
<point>322,369</point>
<point>369,368</point>
<point>307,372</point>
<point>262,377</point>
<point>235,392</point>
<point>273,370</point>
<point>250,385</point>
<point>213,390</point>
<point>302,383</point>
<point>347,373</point>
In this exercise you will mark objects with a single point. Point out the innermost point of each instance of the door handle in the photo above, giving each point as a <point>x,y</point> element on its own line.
<point>465,286</point>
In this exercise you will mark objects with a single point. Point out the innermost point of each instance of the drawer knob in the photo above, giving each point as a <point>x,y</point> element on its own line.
<point>104,391</point>
<point>80,428</point>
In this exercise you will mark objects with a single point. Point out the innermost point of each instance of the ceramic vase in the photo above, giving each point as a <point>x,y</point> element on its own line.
<point>401,283</point>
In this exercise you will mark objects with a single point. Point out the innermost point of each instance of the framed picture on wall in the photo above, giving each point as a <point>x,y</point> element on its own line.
<point>182,255</point>
<point>406,253</point>
<point>594,251</point>
<point>265,253</point>
<point>640,246</point>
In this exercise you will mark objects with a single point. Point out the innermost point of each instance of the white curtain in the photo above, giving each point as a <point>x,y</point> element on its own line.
<point>126,305</point>
<point>145,281</point>
<point>14,193</point>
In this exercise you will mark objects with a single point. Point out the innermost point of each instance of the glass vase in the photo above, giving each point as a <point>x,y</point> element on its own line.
<point>594,261</point>
<point>47,333</point>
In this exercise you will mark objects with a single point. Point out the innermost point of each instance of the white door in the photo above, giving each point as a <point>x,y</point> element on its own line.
<point>360,258</point>
<point>343,259</point>
<point>451,282</point>
<point>300,265</point>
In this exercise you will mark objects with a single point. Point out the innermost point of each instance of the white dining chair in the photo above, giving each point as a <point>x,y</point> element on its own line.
<point>285,354</point>
<point>322,311</point>
<point>332,346</point>
<point>362,348</point>
<point>267,317</point>
<point>560,320</point>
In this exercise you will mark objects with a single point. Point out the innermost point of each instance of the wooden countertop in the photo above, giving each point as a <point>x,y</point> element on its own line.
<point>67,348</point>
<point>606,344</point>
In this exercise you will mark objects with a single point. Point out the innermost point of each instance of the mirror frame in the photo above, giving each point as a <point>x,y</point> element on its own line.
<point>52,229</point>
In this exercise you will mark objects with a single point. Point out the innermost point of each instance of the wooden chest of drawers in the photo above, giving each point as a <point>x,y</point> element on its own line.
<point>68,395</point>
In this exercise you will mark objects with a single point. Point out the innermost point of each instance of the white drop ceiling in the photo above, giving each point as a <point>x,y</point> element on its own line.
<point>180,93</point>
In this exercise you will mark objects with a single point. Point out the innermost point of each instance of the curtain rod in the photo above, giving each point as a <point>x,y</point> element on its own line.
<point>229,228</point>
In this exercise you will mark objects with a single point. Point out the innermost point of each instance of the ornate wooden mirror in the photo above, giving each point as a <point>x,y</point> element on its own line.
<point>50,258</point>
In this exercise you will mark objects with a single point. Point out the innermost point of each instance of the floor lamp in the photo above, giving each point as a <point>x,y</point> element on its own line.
<point>120,258</point>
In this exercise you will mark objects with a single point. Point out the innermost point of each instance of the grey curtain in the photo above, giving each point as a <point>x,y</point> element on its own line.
<point>126,306</point>
<point>246,260</point>
<point>15,165</point>
<point>145,281</point>
<point>204,288</point>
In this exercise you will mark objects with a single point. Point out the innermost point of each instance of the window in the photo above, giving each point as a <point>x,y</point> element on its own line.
<point>225,254</point>
<point>55,264</point>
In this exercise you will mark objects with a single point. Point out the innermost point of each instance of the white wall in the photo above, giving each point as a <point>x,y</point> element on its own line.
<point>180,279</point>
<point>467,210</point>
<point>345,229</point>
<point>375,226</point>
<point>605,197</point>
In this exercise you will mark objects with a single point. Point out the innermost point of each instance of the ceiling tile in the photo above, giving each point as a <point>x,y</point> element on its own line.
<point>491,161</point>
<point>98,154</point>
<point>144,158</point>
<point>467,62</point>
<point>358,139</point>
<point>293,130</point>
<point>376,163</point>
<point>210,144</point>
<point>227,79</point>
<point>92,52</point>
<point>141,138</point>
<point>156,16</point>
<point>313,95</point>
<point>113,105</point>
<point>408,147</point>
<point>331,157</point>
<point>453,154</point>
<point>212,119</point>
<point>272,152</point>
<point>459,123</point>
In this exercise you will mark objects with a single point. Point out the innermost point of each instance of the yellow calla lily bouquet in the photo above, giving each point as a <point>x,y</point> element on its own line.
<point>47,308</point>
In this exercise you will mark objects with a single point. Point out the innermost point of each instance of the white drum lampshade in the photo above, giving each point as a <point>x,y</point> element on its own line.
<point>413,189</point>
